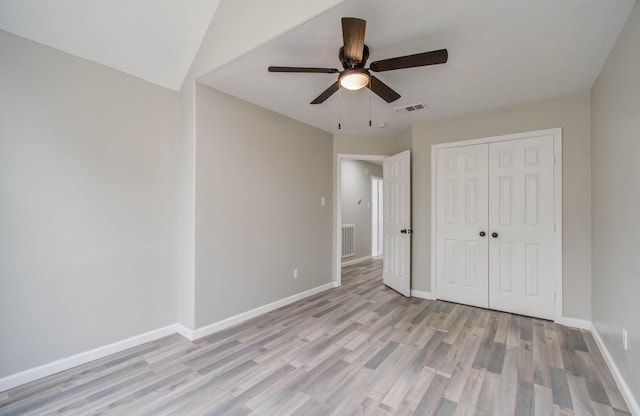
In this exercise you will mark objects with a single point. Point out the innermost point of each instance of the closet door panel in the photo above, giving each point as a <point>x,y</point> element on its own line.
<point>521,223</point>
<point>461,214</point>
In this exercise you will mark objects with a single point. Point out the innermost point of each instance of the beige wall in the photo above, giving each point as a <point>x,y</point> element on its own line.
<point>259,180</point>
<point>362,145</point>
<point>402,141</point>
<point>355,178</point>
<point>570,113</point>
<point>87,205</point>
<point>616,202</point>
<point>237,27</point>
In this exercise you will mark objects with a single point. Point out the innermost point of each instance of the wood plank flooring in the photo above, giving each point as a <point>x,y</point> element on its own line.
<point>357,349</point>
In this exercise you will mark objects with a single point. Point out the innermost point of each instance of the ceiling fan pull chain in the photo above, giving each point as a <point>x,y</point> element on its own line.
<point>369,102</point>
<point>339,106</point>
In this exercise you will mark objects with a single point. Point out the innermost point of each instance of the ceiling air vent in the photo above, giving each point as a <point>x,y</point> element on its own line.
<point>409,108</point>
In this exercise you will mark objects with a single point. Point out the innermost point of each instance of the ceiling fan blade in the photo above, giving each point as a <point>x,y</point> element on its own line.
<point>383,90</point>
<point>353,37</point>
<point>410,61</point>
<point>327,93</point>
<point>302,69</point>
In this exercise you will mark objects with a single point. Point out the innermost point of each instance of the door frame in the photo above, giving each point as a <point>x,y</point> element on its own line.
<point>337,212</point>
<point>376,223</point>
<point>558,311</point>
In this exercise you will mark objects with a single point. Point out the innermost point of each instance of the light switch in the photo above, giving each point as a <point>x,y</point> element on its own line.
<point>323,202</point>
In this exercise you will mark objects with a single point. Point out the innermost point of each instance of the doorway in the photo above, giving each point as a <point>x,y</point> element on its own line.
<point>396,230</point>
<point>353,203</point>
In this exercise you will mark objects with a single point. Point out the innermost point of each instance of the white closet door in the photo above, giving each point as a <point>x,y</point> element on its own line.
<point>521,241</point>
<point>461,217</point>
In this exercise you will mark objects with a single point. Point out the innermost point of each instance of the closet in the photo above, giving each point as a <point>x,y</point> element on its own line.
<point>497,206</point>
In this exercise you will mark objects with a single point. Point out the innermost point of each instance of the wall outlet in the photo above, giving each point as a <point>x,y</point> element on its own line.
<point>625,339</point>
<point>295,273</point>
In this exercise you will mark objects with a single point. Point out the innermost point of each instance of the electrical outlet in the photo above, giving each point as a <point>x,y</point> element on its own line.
<point>625,339</point>
<point>295,273</point>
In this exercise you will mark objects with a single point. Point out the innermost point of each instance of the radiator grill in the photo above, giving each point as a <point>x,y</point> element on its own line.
<point>348,240</point>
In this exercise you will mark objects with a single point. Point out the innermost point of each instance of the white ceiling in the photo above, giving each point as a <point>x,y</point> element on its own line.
<point>501,53</point>
<point>155,40</point>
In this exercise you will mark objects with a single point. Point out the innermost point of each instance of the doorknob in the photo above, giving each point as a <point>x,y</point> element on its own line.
<point>482,233</point>
<point>406,231</point>
<point>494,235</point>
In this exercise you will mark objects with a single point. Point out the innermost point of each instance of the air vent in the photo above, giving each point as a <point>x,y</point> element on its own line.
<point>410,108</point>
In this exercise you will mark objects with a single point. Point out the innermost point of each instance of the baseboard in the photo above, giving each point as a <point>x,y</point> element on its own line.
<point>355,261</point>
<point>234,320</point>
<point>48,369</point>
<point>54,367</point>
<point>631,401</point>
<point>422,294</point>
<point>574,323</point>
<point>184,331</point>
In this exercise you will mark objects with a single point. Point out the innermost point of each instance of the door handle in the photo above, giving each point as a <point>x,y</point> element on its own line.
<point>494,235</point>
<point>482,233</point>
<point>406,231</point>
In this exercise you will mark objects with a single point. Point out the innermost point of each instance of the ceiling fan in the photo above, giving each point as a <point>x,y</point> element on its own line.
<point>353,56</point>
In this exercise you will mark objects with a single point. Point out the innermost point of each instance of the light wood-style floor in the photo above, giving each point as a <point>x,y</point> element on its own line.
<point>358,349</point>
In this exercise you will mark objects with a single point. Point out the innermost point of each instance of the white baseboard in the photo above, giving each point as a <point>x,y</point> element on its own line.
<point>184,331</point>
<point>48,369</point>
<point>574,323</point>
<point>422,294</point>
<point>355,261</point>
<point>234,320</point>
<point>631,401</point>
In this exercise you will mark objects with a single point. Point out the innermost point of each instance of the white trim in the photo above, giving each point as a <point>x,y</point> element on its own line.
<point>244,316</point>
<point>501,138</point>
<point>574,323</point>
<point>356,261</point>
<point>434,172</point>
<point>337,231</point>
<point>557,183</point>
<point>422,294</point>
<point>48,369</point>
<point>184,331</point>
<point>624,388</point>
<point>375,221</point>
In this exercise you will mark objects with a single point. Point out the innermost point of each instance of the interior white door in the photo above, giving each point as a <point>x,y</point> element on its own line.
<point>521,217</point>
<point>461,225</point>
<point>397,222</point>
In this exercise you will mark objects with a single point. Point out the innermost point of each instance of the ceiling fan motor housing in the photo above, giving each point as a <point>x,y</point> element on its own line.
<point>351,64</point>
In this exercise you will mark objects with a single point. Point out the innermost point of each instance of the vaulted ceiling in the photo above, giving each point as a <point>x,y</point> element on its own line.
<point>501,52</point>
<point>155,40</point>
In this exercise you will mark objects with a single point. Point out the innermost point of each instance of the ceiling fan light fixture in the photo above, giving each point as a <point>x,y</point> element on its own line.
<point>354,79</point>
